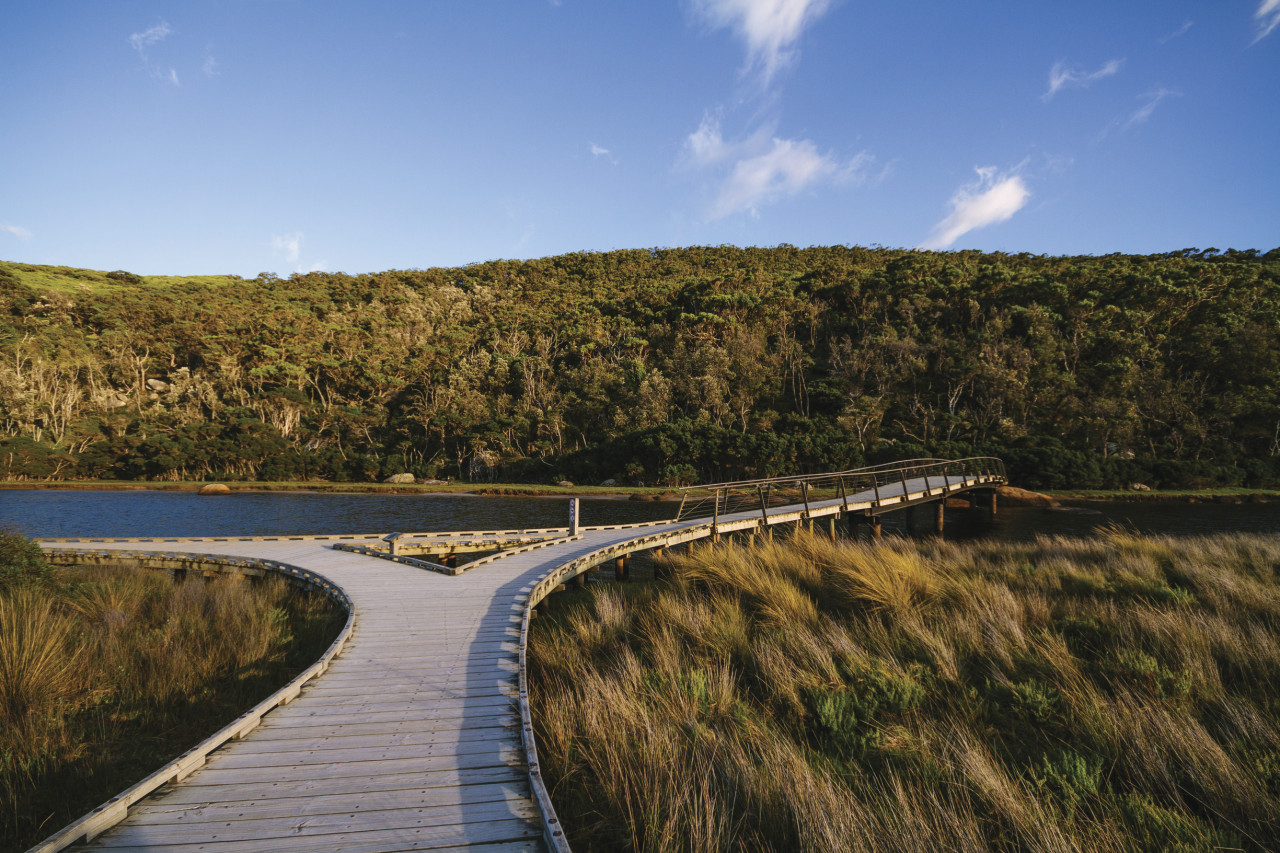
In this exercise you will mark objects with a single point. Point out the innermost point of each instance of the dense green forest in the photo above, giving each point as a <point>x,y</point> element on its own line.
<point>660,366</point>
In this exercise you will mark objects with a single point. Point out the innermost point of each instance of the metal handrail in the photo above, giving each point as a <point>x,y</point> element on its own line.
<point>721,499</point>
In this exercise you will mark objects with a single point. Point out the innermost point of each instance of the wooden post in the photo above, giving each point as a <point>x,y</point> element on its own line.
<point>875,528</point>
<point>939,516</point>
<point>580,581</point>
<point>659,563</point>
<point>994,501</point>
<point>620,568</point>
<point>832,527</point>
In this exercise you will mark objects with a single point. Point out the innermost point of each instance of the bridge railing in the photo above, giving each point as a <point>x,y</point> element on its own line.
<point>716,500</point>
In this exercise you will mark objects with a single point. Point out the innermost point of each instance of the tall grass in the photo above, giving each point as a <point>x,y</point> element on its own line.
<point>105,674</point>
<point>1110,694</point>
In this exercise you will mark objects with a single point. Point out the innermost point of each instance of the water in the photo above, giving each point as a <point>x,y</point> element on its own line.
<point>128,514</point>
<point>54,513</point>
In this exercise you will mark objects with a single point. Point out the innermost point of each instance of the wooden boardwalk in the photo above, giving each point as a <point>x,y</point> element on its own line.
<point>417,735</point>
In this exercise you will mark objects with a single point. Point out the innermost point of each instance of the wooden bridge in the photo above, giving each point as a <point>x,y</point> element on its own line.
<point>419,734</point>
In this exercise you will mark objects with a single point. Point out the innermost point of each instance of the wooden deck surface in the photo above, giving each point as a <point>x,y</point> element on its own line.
<point>411,740</point>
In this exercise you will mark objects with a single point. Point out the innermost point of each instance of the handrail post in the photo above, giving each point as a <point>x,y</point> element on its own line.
<point>715,518</point>
<point>680,510</point>
<point>844,497</point>
<point>902,472</point>
<point>875,484</point>
<point>804,495</point>
<point>764,506</point>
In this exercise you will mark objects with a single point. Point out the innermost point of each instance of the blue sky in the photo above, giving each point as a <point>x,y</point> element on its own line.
<point>243,136</point>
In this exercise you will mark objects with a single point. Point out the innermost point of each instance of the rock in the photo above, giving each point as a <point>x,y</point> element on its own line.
<point>435,482</point>
<point>610,482</point>
<point>1139,487</point>
<point>214,489</point>
<point>1013,496</point>
<point>565,484</point>
<point>115,401</point>
<point>400,479</point>
<point>158,385</point>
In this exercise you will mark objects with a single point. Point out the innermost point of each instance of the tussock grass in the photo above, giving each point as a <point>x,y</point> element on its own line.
<point>106,673</point>
<point>1113,694</point>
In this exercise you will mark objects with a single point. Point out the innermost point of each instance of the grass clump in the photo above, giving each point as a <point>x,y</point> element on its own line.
<point>1114,694</point>
<point>107,673</point>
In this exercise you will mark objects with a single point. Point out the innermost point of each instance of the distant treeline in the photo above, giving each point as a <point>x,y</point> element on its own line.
<point>660,366</point>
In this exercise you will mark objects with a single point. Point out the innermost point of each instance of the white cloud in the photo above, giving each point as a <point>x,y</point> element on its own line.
<point>1062,77</point>
<point>210,67</point>
<point>173,77</point>
<point>1181,31</point>
<point>289,244</point>
<point>1153,100</point>
<point>770,28</point>
<point>599,151</point>
<point>1268,18</point>
<point>765,168</point>
<point>17,231</point>
<point>992,198</point>
<point>141,41</point>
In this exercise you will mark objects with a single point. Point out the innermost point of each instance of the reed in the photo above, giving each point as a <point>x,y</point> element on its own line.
<point>1110,694</point>
<point>107,673</point>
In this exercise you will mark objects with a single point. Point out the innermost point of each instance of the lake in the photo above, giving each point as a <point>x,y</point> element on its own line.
<point>56,513</point>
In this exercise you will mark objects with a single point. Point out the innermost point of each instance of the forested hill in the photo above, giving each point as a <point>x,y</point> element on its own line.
<point>654,366</point>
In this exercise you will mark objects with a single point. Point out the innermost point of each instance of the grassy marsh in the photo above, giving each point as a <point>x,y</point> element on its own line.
<point>1110,694</point>
<point>106,673</point>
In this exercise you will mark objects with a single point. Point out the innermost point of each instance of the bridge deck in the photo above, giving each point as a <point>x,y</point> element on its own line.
<point>412,738</point>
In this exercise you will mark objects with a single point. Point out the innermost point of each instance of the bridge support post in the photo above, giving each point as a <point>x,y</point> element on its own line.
<point>875,528</point>
<point>994,501</point>
<point>580,581</point>
<point>939,516</point>
<point>621,568</point>
<point>659,563</point>
<point>831,528</point>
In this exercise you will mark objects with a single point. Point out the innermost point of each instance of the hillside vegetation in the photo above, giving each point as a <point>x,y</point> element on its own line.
<point>1108,694</point>
<point>652,366</point>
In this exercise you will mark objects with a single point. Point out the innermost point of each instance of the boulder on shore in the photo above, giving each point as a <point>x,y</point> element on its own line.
<point>1013,496</point>
<point>565,484</point>
<point>400,479</point>
<point>214,489</point>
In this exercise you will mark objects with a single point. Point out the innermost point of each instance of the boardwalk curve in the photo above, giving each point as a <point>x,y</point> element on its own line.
<point>419,734</point>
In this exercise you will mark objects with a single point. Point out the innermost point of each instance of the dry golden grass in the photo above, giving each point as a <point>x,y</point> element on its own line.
<point>1112,694</point>
<point>107,673</point>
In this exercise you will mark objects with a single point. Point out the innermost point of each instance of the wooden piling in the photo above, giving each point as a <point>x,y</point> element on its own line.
<point>939,516</point>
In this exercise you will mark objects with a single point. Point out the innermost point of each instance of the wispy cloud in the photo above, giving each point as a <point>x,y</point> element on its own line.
<point>290,245</point>
<point>17,231</point>
<point>1267,17</point>
<point>1180,31</point>
<point>599,151</point>
<point>991,199</point>
<point>1063,77</point>
<point>141,41</point>
<point>1151,100</point>
<point>770,28</point>
<point>763,169</point>
<point>210,67</point>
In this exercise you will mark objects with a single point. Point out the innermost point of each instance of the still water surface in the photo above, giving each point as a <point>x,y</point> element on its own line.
<point>52,513</point>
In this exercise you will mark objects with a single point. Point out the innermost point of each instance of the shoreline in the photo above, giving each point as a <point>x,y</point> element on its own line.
<point>1229,495</point>
<point>489,490</point>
